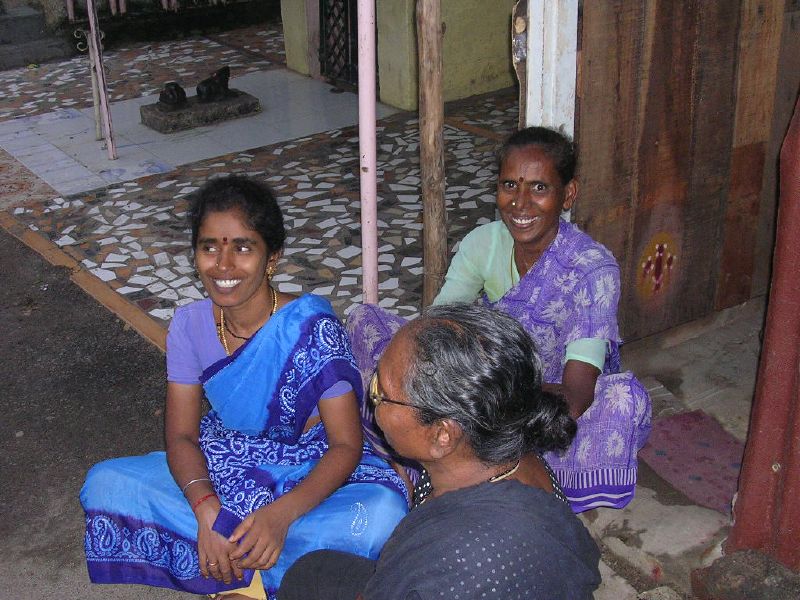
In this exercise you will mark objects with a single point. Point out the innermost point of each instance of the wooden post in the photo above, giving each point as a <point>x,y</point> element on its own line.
<point>431,147</point>
<point>519,55</point>
<point>312,27</point>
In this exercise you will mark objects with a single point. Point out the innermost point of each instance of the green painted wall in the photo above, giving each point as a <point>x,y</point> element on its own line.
<point>295,35</point>
<point>476,49</point>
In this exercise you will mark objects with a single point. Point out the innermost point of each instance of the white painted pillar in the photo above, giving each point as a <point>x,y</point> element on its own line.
<point>552,63</point>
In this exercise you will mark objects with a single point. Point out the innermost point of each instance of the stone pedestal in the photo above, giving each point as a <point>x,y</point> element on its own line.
<point>196,114</point>
<point>745,575</point>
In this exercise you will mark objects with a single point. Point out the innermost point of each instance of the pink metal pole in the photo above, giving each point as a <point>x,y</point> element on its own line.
<point>367,149</point>
<point>96,54</point>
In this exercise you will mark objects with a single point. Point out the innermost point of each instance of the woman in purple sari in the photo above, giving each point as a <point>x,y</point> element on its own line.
<point>278,467</point>
<point>563,287</point>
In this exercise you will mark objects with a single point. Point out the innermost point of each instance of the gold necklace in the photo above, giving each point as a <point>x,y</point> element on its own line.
<point>221,327</point>
<point>505,474</point>
<point>494,479</point>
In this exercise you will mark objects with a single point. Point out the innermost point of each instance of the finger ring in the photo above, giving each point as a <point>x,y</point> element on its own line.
<point>212,564</point>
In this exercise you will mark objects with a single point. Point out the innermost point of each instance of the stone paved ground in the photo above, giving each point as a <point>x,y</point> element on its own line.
<point>134,236</point>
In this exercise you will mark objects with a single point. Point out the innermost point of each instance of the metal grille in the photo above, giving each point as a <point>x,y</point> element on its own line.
<point>338,52</point>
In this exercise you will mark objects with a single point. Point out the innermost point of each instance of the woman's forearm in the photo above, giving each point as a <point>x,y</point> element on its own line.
<point>333,469</point>
<point>182,438</point>
<point>576,406</point>
<point>188,467</point>
<point>576,387</point>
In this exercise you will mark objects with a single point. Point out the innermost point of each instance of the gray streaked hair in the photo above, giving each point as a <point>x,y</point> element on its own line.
<point>479,367</point>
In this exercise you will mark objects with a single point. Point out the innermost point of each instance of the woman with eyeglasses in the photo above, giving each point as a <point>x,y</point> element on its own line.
<point>459,391</point>
<point>564,288</point>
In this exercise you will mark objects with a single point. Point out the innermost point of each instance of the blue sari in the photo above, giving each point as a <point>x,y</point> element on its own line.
<point>140,528</point>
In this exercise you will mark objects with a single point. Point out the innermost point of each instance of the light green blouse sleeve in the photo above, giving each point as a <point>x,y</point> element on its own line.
<point>480,265</point>
<point>464,280</point>
<point>588,350</point>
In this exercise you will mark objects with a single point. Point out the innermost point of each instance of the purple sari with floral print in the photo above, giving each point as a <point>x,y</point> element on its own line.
<point>570,293</point>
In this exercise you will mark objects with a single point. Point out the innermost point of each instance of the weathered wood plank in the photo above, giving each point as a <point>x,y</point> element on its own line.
<point>759,49</point>
<point>678,130</point>
<point>787,86</point>
<point>740,219</point>
<point>655,135</point>
<point>607,99</point>
<point>663,171</point>
<point>714,74</point>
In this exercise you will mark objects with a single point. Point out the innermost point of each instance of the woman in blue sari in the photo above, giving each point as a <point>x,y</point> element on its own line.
<point>278,467</point>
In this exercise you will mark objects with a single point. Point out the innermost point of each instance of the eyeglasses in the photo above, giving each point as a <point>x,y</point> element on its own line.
<point>376,396</point>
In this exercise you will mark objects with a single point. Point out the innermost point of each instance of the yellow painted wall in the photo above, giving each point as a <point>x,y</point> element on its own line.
<point>476,49</point>
<point>295,35</point>
<point>397,53</point>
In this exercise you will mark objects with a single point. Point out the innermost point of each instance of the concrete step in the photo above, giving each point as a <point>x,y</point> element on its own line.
<point>34,52</point>
<point>22,24</point>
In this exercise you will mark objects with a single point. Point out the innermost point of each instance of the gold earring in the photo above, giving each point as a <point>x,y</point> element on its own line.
<point>514,203</point>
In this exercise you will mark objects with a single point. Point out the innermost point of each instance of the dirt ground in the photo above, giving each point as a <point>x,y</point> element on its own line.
<point>79,387</point>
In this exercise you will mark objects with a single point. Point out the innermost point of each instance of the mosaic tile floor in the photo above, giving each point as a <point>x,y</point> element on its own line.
<point>496,111</point>
<point>134,236</point>
<point>140,70</point>
<point>263,40</point>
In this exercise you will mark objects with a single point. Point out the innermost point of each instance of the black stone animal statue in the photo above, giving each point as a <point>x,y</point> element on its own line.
<point>215,87</point>
<point>172,96</point>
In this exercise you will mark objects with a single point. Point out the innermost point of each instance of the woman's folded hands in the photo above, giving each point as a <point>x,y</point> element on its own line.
<point>260,537</point>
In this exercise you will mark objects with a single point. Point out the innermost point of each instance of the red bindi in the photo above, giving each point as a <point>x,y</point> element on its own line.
<point>224,241</point>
